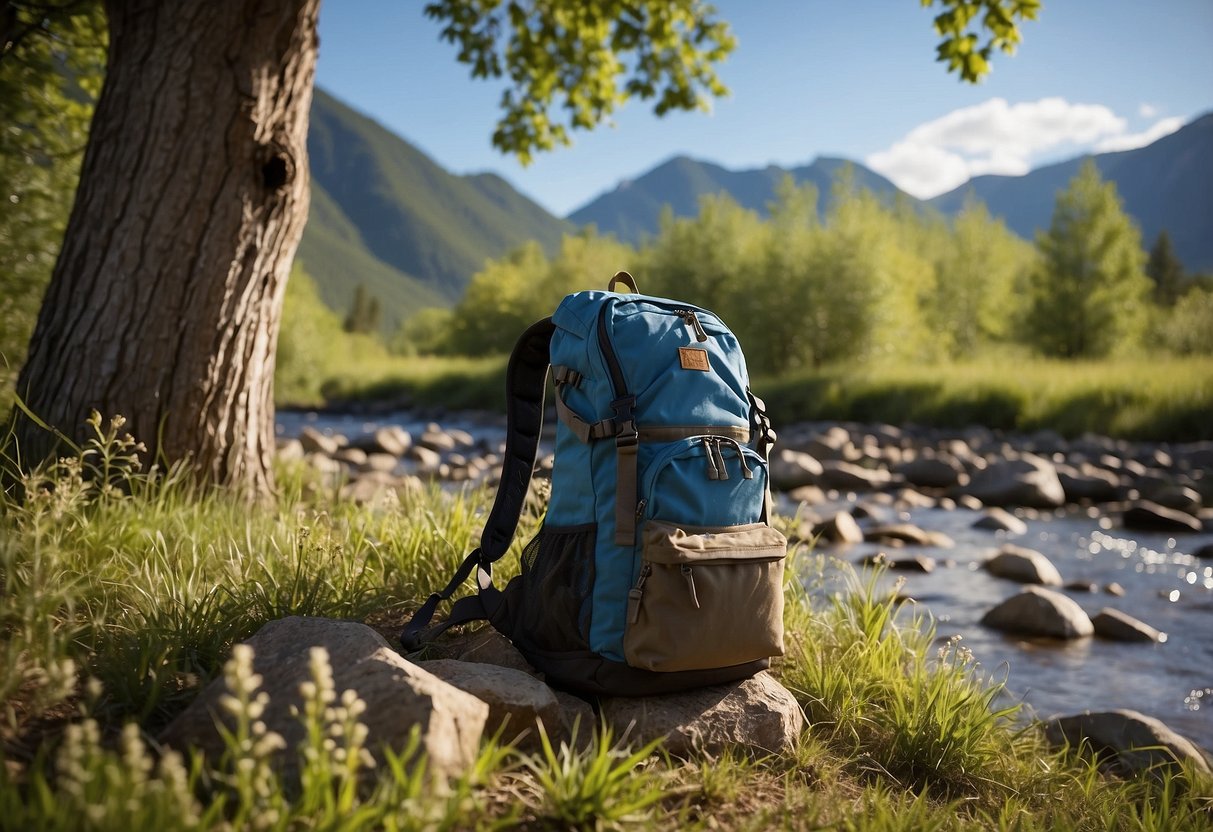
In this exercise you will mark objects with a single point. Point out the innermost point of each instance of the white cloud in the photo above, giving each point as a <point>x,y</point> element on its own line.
<point>998,137</point>
<point>1163,127</point>
<point>1147,111</point>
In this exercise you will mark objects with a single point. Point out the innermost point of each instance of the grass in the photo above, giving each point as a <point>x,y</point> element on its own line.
<point>1162,398</point>
<point>123,596</point>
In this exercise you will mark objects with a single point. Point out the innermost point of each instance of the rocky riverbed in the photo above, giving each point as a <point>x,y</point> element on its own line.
<point>1079,569</point>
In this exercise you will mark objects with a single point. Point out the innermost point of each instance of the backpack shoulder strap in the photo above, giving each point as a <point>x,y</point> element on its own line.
<point>525,382</point>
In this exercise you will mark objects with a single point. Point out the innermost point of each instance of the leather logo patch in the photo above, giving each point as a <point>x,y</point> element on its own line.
<point>693,359</point>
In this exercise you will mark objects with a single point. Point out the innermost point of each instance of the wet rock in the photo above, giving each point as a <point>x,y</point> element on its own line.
<point>909,498</point>
<point>1025,481</point>
<point>757,714</point>
<point>1024,565</point>
<point>1117,626</point>
<point>1114,589</point>
<point>1177,497</point>
<point>793,469</point>
<point>847,476</point>
<point>1127,741</point>
<point>517,701</point>
<point>436,439</point>
<point>1000,520</point>
<point>393,440</point>
<point>1144,515</point>
<point>915,563</point>
<point>315,442</point>
<point>841,528</point>
<point>970,502</point>
<point>907,534</point>
<point>1089,483</point>
<point>1205,552</point>
<point>807,494</point>
<point>398,694</point>
<point>943,471</point>
<point>1040,612</point>
<point>1082,586</point>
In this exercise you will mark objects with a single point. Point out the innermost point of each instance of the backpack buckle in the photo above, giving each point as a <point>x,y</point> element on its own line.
<point>626,434</point>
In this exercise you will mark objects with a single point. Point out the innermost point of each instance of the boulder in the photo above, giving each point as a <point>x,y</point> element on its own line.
<point>1114,589</point>
<point>428,460</point>
<point>398,694</point>
<point>436,439</point>
<point>756,714</point>
<point>1177,497</point>
<point>1024,481</point>
<point>942,471</point>
<point>1127,741</point>
<point>909,534</point>
<point>1143,515</point>
<point>846,476</point>
<point>517,701</point>
<point>792,469</point>
<point>315,442</point>
<point>393,440</point>
<point>1027,566</point>
<point>807,494</point>
<point>917,563</point>
<point>841,528</point>
<point>1040,612</point>
<point>1117,626</point>
<point>1089,482</point>
<point>1000,520</point>
<point>354,457</point>
<point>381,462</point>
<point>488,646</point>
<point>910,498</point>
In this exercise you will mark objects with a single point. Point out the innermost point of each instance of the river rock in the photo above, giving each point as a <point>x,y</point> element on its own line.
<point>1126,740</point>
<point>1024,481</point>
<point>392,439</point>
<point>290,450</point>
<point>428,460</point>
<point>436,439</point>
<point>1000,520</point>
<point>1177,497</point>
<point>792,469</point>
<point>1205,552</point>
<point>908,533</point>
<point>381,489</point>
<point>808,494</point>
<point>1088,482</point>
<point>381,462</point>
<point>841,528</point>
<point>942,471</point>
<point>757,714</point>
<point>1118,626</point>
<point>1027,566</point>
<point>1040,612</point>
<point>315,442</point>
<point>917,563</point>
<point>1144,515</point>
<point>517,701</point>
<point>353,457</point>
<point>911,498</point>
<point>398,694</point>
<point>846,476</point>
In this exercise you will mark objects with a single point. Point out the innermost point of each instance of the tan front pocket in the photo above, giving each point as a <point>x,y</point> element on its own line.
<point>706,597</point>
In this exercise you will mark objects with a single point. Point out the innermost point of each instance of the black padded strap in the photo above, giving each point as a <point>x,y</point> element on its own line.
<point>525,379</point>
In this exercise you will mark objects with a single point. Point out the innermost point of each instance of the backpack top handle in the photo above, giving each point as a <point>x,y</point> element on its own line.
<point>626,279</point>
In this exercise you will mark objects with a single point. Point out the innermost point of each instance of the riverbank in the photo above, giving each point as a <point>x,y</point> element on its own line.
<point>1164,398</point>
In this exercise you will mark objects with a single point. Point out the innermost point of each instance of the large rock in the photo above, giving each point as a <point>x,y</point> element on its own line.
<point>846,476</point>
<point>1144,515</point>
<point>1127,740</point>
<point>1027,566</point>
<point>792,469</point>
<point>1040,612</point>
<point>757,714</point>
<point>1088,482</point>
<point>942,471</point>
<point>841,528</point>
<point>315,442</point>
<point>908,534</point>
<point>398,694</point>
<point>1118,626</point>
<point>392,440</point>
<point>1025,481</point>
<point>1000,520</point>
<point>487,646</point>
<point>517,701</point>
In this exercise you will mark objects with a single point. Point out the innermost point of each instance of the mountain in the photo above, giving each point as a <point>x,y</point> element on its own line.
<point>633,210</point>
<point>387,216</point>
<point>1164,185</point>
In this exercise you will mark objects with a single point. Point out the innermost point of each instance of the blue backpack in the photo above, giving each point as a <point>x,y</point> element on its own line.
<point>655,569</point>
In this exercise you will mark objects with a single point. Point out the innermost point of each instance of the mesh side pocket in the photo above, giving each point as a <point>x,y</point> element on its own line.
<point>553,612</point>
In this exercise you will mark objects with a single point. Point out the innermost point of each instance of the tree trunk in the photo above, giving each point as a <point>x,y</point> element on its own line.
<point>165,302</point>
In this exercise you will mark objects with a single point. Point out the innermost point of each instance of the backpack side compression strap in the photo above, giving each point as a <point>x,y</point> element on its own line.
<point>525,380</point>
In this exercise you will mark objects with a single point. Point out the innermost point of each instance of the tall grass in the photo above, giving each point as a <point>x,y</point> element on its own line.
<point>124,593</point>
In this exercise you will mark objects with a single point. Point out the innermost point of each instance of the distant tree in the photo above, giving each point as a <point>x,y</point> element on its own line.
<point>1090,288</point>
<point>1165,270</point>
<point>365,313</point>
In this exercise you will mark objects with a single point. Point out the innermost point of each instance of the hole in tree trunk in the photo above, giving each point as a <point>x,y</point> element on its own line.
<point>277,170</point>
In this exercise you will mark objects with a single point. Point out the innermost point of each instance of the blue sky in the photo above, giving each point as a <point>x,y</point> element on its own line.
<point>850,78</point>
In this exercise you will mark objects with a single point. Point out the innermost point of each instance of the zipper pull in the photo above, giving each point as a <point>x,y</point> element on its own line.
<point>689,577</point>
<point>713,471</point>
<point>692,320</point>
<point>640,509</point>
<point>724,470</point>
<point>745,469</point>
<point>636,593</point>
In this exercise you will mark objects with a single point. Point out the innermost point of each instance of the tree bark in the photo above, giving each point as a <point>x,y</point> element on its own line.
<point>165,301</point>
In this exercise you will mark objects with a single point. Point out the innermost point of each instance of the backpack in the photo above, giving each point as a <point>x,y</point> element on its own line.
<point>655,568</point>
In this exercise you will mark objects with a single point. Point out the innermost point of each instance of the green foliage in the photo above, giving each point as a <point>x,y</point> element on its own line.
<point>585,59</point>
<point>314,345</point>
<point>364,315</point>
<point>964,22</point>
<point>1189,328</point>
<point>1089,291</point>
<point>51,63</point>
<point>1165,271</point>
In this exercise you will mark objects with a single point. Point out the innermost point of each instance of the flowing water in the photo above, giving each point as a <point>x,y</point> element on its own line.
<point>1164,586</point>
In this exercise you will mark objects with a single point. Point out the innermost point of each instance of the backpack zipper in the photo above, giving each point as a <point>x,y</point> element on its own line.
<point>692,320</point>
<point>636,593</point>
<point>619,384</point>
